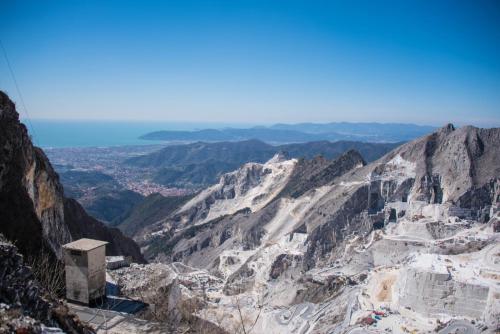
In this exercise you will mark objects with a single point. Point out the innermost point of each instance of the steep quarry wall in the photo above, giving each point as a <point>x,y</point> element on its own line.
<point>252,186</point>
<point>434,294</point>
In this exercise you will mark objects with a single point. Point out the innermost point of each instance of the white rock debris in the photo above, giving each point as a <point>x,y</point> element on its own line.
<point>272,177</point>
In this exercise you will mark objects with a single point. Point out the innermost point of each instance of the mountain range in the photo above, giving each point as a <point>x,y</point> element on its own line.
<point>338,245</point>
<point>299,133</point>
<point>201,164</point>
<point>187,166</point>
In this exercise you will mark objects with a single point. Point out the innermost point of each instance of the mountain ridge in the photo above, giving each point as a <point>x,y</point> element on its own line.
<point>301,132</point>
<point>201,164</point>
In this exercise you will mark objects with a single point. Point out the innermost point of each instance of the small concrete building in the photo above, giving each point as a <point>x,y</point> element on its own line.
<point>115,262</point>
<point>85,262</point>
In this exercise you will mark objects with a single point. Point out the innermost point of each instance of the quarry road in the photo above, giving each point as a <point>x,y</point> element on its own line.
<point>111,322</point>
<point>360,331</point>
<point>404,237</point>
<point>305,311</point>
<point>459,327</point>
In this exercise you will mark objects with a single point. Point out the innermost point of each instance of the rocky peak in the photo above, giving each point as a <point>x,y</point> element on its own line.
<point>354,157</point>
<point>279,157</point>
<point>448,128</point>
<point>7,108</point>
<point>454,161</point>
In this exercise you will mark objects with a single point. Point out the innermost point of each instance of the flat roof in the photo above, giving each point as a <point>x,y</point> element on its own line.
<point>85,244</point>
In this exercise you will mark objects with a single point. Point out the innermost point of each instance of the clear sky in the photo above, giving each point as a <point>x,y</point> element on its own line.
<point>426,62</point>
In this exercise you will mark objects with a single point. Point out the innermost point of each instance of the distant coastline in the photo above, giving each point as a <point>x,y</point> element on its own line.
<point>71,133</point>
<point>301,133</point>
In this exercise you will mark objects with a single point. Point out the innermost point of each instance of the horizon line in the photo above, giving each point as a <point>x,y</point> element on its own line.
<point>264,124</point>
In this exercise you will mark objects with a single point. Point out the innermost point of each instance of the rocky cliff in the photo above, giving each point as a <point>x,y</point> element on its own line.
<point>34,211</point>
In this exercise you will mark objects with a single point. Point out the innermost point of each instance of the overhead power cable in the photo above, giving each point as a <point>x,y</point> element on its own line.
<point>17,88</point>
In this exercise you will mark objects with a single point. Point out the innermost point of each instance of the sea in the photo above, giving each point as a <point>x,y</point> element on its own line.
<point>72,133</point>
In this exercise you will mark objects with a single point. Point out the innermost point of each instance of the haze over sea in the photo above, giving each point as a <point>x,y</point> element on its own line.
<point>72,133</point>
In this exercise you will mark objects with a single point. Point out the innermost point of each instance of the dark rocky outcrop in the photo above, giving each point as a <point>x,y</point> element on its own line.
<point>283,263</point>
<point>25,307</point>
<point>241,280</point>
<point>33,210</point>
<point>317,172</point>
<point>30,193</point>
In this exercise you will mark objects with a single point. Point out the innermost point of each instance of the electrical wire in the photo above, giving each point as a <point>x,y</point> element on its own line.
<point>17,88</point>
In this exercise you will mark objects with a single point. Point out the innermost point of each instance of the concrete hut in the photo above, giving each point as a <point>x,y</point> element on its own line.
<point>85,262</point>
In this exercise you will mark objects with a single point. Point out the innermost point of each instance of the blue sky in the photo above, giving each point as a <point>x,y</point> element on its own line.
<point>426,62</point>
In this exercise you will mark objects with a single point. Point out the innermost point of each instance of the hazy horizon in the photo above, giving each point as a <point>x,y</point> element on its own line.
<point>186,125</point>
<point>230,124</point>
